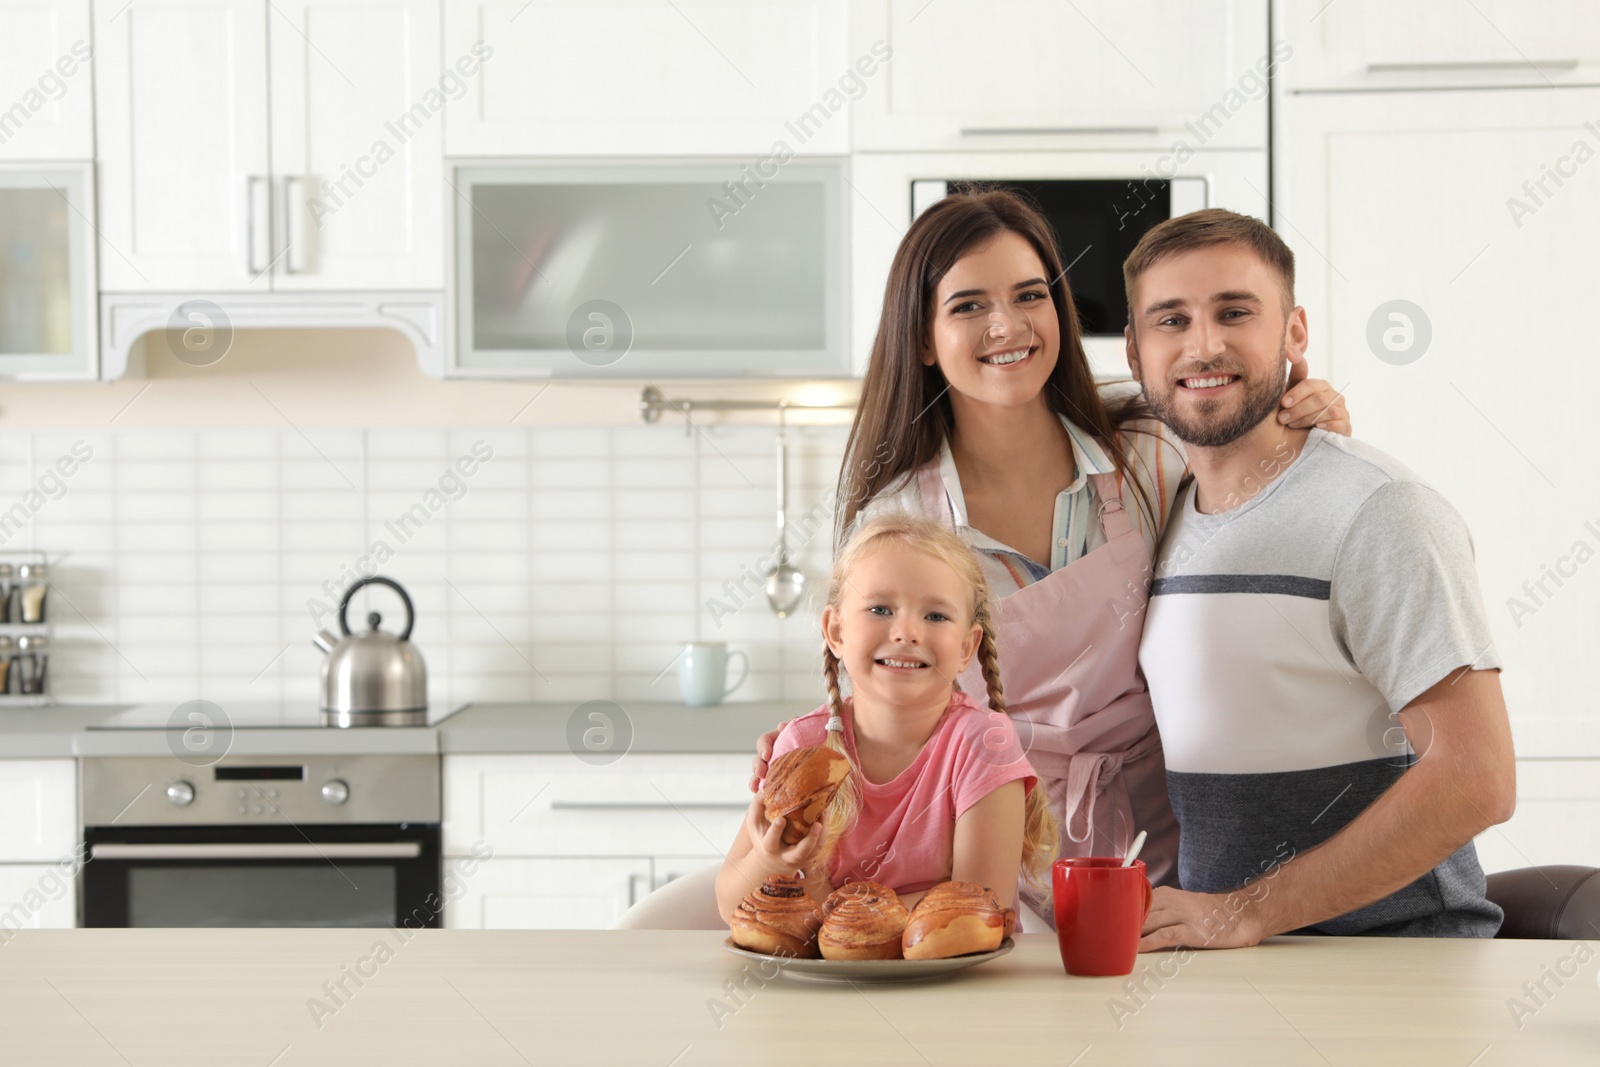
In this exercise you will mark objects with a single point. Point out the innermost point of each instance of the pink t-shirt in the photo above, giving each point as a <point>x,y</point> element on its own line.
<point>904,837</point>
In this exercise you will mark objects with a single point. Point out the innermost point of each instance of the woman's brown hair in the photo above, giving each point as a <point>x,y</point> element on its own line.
<point>904,414</point>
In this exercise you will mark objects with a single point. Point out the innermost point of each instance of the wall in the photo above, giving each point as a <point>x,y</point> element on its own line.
<point>224,506</point>
<point>219,499</point>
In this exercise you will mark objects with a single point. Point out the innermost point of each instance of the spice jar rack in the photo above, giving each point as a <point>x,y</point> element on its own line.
<point>25,635</point>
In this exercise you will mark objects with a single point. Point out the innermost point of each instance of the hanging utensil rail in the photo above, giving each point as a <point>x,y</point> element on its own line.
<point>652,402</point>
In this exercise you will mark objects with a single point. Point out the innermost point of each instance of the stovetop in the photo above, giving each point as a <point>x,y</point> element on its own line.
<point>289,715</point>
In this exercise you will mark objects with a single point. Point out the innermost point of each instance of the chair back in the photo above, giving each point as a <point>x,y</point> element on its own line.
<point>1557,902</point>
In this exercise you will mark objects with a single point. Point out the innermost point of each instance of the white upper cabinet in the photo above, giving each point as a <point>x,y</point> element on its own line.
<point>48,322</point>
<point>1088,74</point>
<point>1379,44</point>
<point>181,103</point>
<point>617,77</point>
<point>46,88</point>
<point>357,139</point>
<point>340,192</point>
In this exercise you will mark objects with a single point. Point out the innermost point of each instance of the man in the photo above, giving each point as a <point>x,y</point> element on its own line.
<point>1313,599</point>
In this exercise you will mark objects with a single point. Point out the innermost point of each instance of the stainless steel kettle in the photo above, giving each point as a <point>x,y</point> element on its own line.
<point>372,677</point>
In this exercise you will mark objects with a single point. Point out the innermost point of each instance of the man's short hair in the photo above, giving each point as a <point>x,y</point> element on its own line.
<point>1201,229</point>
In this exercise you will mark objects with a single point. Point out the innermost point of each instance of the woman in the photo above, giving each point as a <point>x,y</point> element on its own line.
<point>979,409</point>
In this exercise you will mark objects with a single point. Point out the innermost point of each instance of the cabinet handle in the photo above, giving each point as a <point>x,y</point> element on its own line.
<point>633,887</point>
<point>1054,131</point>
<point>1447,65</point>
<point>400,850</point>
<point>643,805</point>
<point>250,183</point>
<point>291,239</point>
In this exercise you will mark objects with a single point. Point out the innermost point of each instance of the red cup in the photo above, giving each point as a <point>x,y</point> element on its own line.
<point>1100,910</point>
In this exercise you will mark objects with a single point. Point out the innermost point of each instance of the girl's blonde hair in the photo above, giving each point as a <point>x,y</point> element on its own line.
<point>1041,833</point>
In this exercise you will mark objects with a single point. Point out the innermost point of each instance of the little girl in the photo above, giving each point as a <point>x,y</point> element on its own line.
<point>940,788</point>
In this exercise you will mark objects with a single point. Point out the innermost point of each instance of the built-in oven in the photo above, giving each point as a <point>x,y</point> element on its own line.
<point>261,841</point>
<point>1097,222</point>
<point>1099,201</point>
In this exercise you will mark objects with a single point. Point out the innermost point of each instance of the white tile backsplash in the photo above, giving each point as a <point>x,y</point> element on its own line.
<point>571,565</point>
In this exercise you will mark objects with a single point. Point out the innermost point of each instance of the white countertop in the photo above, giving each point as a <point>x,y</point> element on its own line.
<point>65,731</point>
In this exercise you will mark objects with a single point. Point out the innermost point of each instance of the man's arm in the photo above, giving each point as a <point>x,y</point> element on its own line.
<point>1463,783</point>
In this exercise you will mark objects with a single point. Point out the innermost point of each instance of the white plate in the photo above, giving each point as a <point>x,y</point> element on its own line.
<point>870,970</point>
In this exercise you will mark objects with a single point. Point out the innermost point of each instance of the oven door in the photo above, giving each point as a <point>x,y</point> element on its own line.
<point>262,876</point>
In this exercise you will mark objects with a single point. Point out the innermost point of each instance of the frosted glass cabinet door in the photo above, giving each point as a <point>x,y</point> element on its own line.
<point>47,305</point>
<point>644,271</point>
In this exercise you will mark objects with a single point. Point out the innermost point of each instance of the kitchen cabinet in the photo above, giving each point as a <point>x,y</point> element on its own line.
<point>1481,380</point>
<point>184,179</point>
<point>1368,45</point>
<point>357,143</point>
<point>48,311</point>
<point>628,270</point>
<point>340,188</point>
<point>560,892</point>
<point>1016,75</point>
<point>36,896</point>
<point>40,802</point>
<point>666,869</point>
<point>38,843</point>
<point>575,845</point>
<point>1557,819</point>
<point>615,77</point>
<point>46,83</point>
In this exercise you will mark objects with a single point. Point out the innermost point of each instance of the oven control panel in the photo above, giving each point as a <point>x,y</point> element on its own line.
<point>143,790</point>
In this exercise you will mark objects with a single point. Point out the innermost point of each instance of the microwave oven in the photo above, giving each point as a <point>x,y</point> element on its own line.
<point>1097,221</point>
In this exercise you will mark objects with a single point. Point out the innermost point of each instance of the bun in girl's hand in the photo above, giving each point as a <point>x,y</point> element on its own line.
<point>954,919</point>
<point>862,921</point>
<point>799,786</point>
<point>777,919</point>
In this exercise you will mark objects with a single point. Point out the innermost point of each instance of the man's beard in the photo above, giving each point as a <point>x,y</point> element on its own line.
<point>1262,397</point>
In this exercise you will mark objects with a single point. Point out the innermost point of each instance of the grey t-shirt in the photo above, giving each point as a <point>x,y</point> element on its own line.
<point>1282,637</point>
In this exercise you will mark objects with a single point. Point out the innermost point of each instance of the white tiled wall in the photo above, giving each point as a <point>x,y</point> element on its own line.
<point>571,566</point>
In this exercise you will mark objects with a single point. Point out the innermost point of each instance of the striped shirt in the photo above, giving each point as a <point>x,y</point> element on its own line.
<point>1282,639</point>
<point>1155,459</point>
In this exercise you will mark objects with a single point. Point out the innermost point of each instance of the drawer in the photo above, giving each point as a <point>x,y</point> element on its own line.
<point>40,802</point>
<point>642,805</point>
<point>36,896</point>
<point>670,868</point>
<point>547,893</point>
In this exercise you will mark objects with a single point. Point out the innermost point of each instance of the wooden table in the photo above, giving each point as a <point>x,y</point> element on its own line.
<point>665,999</point>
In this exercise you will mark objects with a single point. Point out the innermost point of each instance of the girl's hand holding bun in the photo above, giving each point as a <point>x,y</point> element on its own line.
<point>768,853</point>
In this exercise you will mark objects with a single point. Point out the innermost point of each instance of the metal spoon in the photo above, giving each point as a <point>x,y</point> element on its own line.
<point>785,584</point>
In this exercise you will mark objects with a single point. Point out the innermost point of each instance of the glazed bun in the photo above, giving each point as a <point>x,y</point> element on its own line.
<point>954,919</point>
<point>799,785</point>
<point>862,921</point>
<point>777,919</point>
